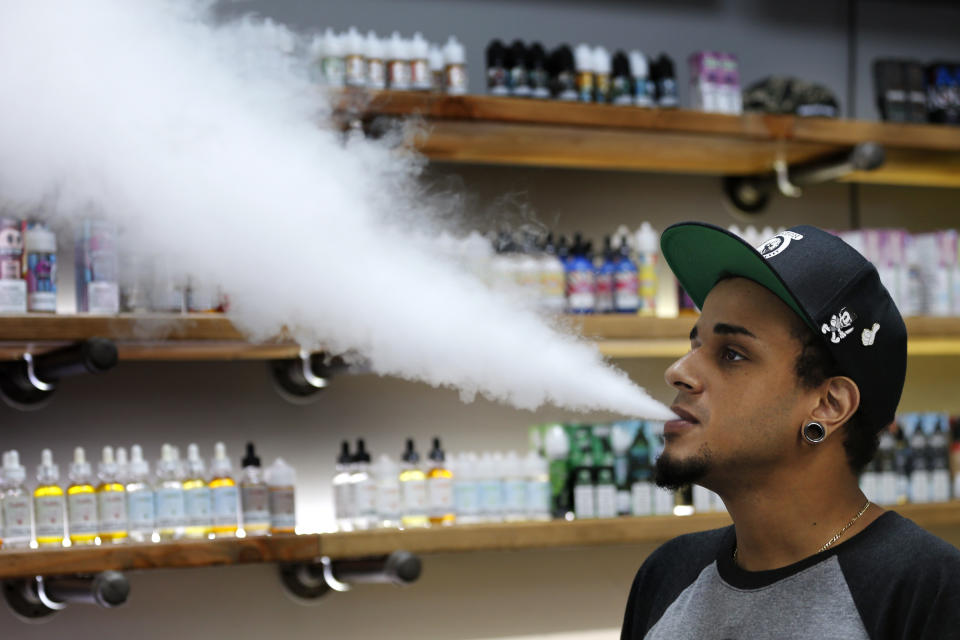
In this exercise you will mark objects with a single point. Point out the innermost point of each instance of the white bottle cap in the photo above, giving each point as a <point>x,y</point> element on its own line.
<point>557,445</point>
<point>397,47</point>
<point>46,458</point>
<point>334,45</point>
<point>317,46</point>
<point>638,64</point>
<point>386,466</point>
<point>601,60</point>
<point>584,57</point>
<point>419,48</point>
<point>534,464</point>
<point>107,455</point>
<point>453,52</point>
<point>220,465</point>
<point>435,56</point>
<point>137,464</point>
<point>647,241</point>
<point>280,474</point>
<point>41,239</point>
<point>195,464</point>
<point>354,42</point>
<point>80,468</point>
<point>13,471</point>
<point>373,46</point>
<point>122,461</point>
<point>193,452</point>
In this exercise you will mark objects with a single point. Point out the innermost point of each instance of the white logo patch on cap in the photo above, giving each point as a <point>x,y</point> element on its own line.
<point>840,326</point>
<point>775,245</point>
<point>869,335</point>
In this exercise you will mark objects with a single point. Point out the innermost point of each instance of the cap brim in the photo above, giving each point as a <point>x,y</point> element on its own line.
<point>700,254</point>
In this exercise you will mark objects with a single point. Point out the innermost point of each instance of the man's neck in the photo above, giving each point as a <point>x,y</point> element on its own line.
<point>780,521</point>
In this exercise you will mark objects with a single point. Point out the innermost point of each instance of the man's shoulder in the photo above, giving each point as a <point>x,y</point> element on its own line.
<point>692,549</point>
<point>901,546</point>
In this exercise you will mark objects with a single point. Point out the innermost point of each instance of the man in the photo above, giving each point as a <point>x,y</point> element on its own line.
<point>796,363</point>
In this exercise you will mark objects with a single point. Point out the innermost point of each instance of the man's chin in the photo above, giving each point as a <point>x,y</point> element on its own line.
<point>674,469</point>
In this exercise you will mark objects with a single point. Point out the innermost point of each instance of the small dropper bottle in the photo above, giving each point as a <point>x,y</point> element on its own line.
<point>16,503</point>
<point>111,500</point>
<point>440,487</point>
<point>48,502</point>
<point>254,496</point>
<point>281,479</point>
<point>363,489</point>
<point>196,495</point>
<point>82,521</point>
<point>223,494</point>
<point>170,507</point>
<point>141,506</point>
<point>413,489</point>
<point>343,505</point>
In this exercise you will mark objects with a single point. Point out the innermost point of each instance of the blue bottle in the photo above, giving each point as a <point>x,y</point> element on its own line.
<point>626,283</point>
<point>580,279</point>
<point>604,278</point>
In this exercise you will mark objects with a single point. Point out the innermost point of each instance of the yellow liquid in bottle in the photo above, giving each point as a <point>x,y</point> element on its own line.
<point>223,530</point>
<point>73,490</point>
<point>119,535</point>
<point>194,531</point>
<point>447,518</point>
<point>413,520</point>
<point>49,491</point>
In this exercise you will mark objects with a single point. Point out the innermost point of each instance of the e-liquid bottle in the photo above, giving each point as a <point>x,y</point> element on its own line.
<point>48,502</point>
<point>454,67</point>
<point>82,521</point>
<point>170,505</point>
<point>17,525</point>
<point>387,478</point>
<point>626,285</point>
<point>111,500</point>
<point>355,67</point>
<point>644,89</point>
<point>563,74</point>
<point>420,78</point>
<point>398,63</point>
<point>342,490</point>
<point>254,495</point>
<point>514,489</point>
<point>666,81</point>
<point>440,488</point>
<point>621,84</point>
<point>584,62</point>
<point>537,76</point>
<point>537,473</point>
<point>498,80</point>
<point>581,284</point>
<point>376,64</point>
<point>601,75</point>
<point>40,266</point>
<point>584,489</point>
<point>552,279</point>
<point>517,69</point>
<point>332,63</point>
<point>281,479</point>
<point>223,494</point>
<point>141,505</point>
<point>363,489</point>
<point>466,489</point>
<point>196,495</point>
<point>413,489</point>
<point>603,279</point>
<point>435,55</point>
<point>490,487</point>
<point>648,253</point>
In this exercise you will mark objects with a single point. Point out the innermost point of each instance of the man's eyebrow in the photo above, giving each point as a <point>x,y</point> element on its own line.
<point>728,329</point>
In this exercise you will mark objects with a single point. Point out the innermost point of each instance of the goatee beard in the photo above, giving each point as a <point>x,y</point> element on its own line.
<point>673,474</point>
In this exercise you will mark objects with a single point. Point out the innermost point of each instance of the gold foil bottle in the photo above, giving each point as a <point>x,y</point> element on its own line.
<point>48,502</point>
<point>440,488</point>
<point>111,500</point>
<point>223,494</point>
<point>413,490</point>
<point>196,496</point>
<point>82,519</point>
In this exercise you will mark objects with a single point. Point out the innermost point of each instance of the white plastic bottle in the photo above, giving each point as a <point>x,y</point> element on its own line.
<point>387,475</point>
<point>17,522</point>
<point>420,79</point>
<point>141,506</point>
<point>170,505</point>
<point>281,481</point>
<point>355,66</point>
<point>606,493</point>
<point>332,61</point>
<point>583,56</point>
<point>435,56</point>
<point>363,489</point>
<point>537,473</point>
<point>342,490</point>
<point>466,490</point>
<point>454,67</point>
<point>398,63</point>
<point>643,87</point>
<point>602,66</point>
<point>491,486</point>
<point>224,497</point>
<point>375,53</point>
<point>514,488</point>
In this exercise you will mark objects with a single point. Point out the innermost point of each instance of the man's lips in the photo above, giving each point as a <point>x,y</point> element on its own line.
<point>685,421</point>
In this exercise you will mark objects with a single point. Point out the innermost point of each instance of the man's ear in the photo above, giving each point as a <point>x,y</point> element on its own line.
<point>839,400</point>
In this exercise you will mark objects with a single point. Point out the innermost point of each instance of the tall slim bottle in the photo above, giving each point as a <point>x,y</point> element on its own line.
<point>440,487</point>
<point>223,494</point>
<point>413,489</point>
<point>141,501</point>
<point>111,500</point>
<point>196,495</point>
<point>170,507</point>
<point>254,496</point>
<point>82,520</point>
<point>49,504</point>
<point>18,526</point>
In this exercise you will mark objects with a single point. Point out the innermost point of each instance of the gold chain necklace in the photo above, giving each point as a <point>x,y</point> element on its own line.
<point>836,535</point>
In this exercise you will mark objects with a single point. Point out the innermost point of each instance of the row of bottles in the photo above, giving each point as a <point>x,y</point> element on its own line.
<point>124,501</point>
<point>465,488</point>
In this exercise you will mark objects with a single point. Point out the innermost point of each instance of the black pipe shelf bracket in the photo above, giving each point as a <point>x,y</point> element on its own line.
<point>301,380</point>
<point>751,194</point>
<point>30,382</point>
<point>306,582</point>
<point>36,599</point>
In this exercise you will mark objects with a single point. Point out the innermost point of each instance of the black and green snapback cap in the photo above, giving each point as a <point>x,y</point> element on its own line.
<point>829,284</point>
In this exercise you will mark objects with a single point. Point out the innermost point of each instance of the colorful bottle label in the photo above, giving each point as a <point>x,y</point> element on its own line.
<point>376,74</point>
<point>141,510</point>
<point>440,492</point>
<point>641,498</point>
<point>283,512</point>
<point>585,85</point>
<point>13,294</point>
<point>606,501</point>
<point>196,503</point>
<point>170,508</point>
<point>82,512</point>
<point>398,74</point>
<point>420,74</point>
<point>256,505</point>
<point>16,518</point>
<point>603,299</point>
<point>455,79</point>
<point>224,501</point>
<point>113,511</point>
<point>41,281</point>
<point>356,71</point>
<point>49,514</point>
<point>580,290</point>
<point>625,290</point>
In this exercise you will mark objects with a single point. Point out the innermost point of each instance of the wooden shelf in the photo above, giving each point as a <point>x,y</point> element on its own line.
<point>493,130</point>
<point>651,530</point>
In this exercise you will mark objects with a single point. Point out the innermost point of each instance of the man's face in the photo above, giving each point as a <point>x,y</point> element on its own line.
<point>737,391</point>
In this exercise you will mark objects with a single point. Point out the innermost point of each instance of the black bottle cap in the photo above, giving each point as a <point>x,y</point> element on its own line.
<point>563,249</point>
<point>410,454</point>
<point>621,64</point>
<point>665,63</point>
<point>362,455</point>
<point>496,54</point>
<point>436,453</point>
<point>251,459</point>
<point>536,56</point>
<point>518,53</point>
<point>344,457</point>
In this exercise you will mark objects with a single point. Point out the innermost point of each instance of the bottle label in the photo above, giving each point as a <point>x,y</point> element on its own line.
<point>606,504</point>
<point>388,501</point>
<point>939,485</point>
<point>604,292</point>
<point>414,494</point>
<point>515,496</point>
<point>141,510</point>
<point>420,74</point>
<point>13,293</point>
<point>583,501</point>
<point>224,501</point>
<point>283,510</point>
<point>585,85</point>
<point>398,74</point>
<point>82,510</point>
<point>641,499</point>
<point>41,274</point>
<point>103,297</point>
<point>376,74</point>
<point>365,498</point>
<point>663,500</point>
<point>625,288</point>
<point>334,70</point>
<point>466,499</point>
<point>16,517</point>
<point>580,290</point>
<point>113,511</point>
<point>538,497</point>
<point>920,486</point>
<point>49,513</point>
<point>455,76</point>
<point>440,492</point>
<point>256,504</point>
<point>551,290</point>
<point>887,491</point>
<point>170,508</point>
<point>491,497</point>
<point>356,71</point>
<point>343,501</point>
<point>196,505</point>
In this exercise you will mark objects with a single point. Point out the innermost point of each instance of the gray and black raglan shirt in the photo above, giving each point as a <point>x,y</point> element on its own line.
<point>893,580</point>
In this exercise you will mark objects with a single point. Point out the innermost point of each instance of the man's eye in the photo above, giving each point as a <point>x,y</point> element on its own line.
<point>732,356</point>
